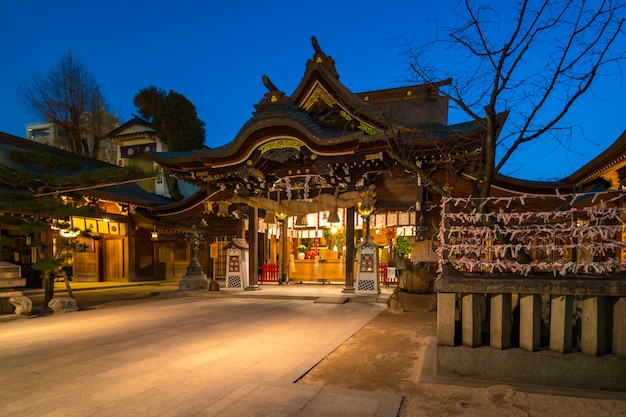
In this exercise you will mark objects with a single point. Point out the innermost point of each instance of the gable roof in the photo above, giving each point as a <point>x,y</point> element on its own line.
<point>133,126</point>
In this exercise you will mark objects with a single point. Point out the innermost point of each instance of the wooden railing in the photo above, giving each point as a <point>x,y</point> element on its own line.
<point>269,273</point>
<point>387,275</point>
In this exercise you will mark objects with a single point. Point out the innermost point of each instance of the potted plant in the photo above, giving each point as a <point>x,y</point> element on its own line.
<point>402,247</point>
<point>301,251</point>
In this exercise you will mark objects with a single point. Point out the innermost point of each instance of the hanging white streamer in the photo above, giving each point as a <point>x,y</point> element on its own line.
<point>473,241</point>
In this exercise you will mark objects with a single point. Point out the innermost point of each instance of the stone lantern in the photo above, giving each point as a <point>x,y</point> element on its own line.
<point>368,280</point>
<point>194,279</point>
<point>237,264</point>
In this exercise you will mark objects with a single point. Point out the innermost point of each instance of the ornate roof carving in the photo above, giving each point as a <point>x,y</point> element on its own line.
<point>320,58</point>
<point>274,99</point>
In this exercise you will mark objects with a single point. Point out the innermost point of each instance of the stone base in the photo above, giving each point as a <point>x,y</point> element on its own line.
<point>401,301</point>
<point>21,304</point>
<point>348,290</point>
<point>193,283</point>
<point>573,370</point>
<point>63,305</point>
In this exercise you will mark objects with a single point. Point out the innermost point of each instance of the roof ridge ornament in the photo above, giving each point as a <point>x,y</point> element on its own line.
<point>274,97</point>
<point>320,58</point>
<point>269,84</point>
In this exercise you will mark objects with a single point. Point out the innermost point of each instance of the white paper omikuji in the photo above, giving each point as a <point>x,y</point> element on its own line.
<point>473,239</point>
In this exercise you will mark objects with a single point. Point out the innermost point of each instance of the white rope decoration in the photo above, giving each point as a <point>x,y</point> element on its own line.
<point>487,235</point>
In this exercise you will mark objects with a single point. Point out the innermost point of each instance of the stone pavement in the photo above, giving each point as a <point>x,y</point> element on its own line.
<point>230,353</point>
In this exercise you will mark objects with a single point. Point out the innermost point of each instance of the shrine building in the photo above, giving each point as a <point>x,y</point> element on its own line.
<point>314,173</point>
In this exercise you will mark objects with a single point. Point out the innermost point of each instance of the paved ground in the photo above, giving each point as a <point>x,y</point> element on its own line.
<point>143,355</point>
<point>183,356</point>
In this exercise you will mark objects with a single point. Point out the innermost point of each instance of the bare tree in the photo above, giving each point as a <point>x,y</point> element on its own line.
<point>530,62</point>
<point>69,96</point>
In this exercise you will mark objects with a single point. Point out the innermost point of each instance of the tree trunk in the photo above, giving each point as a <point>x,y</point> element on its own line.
<point>48,288</point>
<point>416,280</point>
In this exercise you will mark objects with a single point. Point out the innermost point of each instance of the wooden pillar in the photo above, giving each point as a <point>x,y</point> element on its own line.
<point>593,337</point>
<point>130,240</point>
<point>500,321</point>
<point>284,253</point>
<point>446,318</point>
<point>471,319</point>
<point>349,261</point>
<point>253,244</point>
<point>530,322</point>
<point>561,316</point>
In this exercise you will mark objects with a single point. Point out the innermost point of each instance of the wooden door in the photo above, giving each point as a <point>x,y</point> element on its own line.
<point>85,264</point>
<point>113,260</point>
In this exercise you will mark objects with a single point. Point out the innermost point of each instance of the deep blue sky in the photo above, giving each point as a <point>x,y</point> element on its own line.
<point>215,55</point>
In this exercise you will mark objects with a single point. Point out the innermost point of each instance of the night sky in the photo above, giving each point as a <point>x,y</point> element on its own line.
<point>215,54</point>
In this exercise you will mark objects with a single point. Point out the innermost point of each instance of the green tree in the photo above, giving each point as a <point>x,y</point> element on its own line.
<point>68,95</point>
<point>40,186</point>
<point>531,60</point>
<point>173,117</point>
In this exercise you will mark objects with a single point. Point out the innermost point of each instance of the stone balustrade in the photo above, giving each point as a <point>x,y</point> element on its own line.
<point>541,330</point>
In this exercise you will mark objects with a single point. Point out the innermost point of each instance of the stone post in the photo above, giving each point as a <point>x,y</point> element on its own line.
<point>619,327</point>
<point>446,315</point>
<point>561,315</point>
<point>500,321</point>
<point>530,322</point>
<point>471,319</point>
<point>593,337</point>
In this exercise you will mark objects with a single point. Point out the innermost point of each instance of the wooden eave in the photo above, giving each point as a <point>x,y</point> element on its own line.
<point>144,219</point>
<point>118,139</point>
<point>148,200</point>
<point>183,209</point>
<point>403,93</point>
<point>515,186</point>
<point>605,165</point>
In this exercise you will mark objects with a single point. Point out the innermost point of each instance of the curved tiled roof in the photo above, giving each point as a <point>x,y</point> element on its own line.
<point>264,125</point>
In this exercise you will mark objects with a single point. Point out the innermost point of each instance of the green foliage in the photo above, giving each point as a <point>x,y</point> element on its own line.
<point>38,196</point>
<point>11,220</point>
<point>7,247</point>
<point>46,264</point>
<point>65,250</point>
<point>50,173</point>
<point>173,117</point>
<point>49,162</point>
<point>104,176</point>
<point>402,246</point>
<point>30,227</point>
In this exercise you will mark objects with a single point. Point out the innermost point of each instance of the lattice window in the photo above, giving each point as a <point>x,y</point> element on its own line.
<point>366,285</point>
<point>234,281</point>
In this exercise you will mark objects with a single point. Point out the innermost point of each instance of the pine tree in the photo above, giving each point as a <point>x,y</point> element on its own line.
<point>41,194</point>
<point>173,117</point>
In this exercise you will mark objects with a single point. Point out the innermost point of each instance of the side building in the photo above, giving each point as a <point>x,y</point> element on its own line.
<point>126,248</point>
